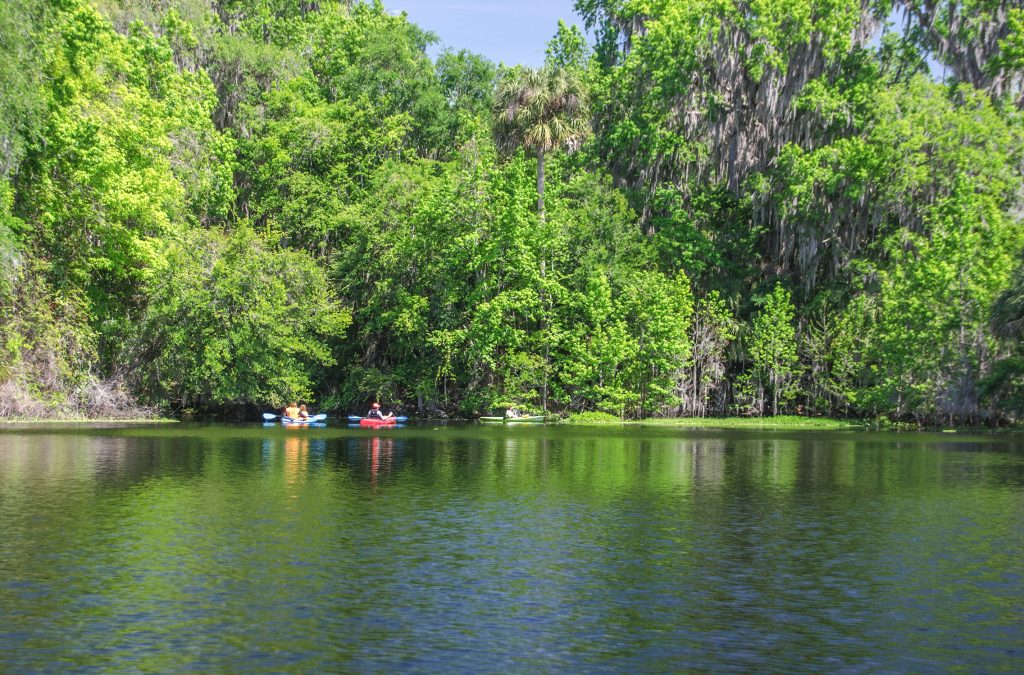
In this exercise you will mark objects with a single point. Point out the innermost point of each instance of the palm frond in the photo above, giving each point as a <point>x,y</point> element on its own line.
<point>541,110</point>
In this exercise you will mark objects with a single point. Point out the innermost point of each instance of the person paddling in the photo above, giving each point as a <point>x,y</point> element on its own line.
<point>292,411</point>
<point>375,413</point>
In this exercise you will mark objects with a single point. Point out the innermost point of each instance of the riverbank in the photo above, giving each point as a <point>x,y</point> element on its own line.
<point>779,422</point>
<point>85,420</point>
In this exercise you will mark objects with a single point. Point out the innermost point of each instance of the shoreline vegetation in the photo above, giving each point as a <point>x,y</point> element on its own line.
<point>779,422</point>
<point>12,421</point>
<point>210,206</point>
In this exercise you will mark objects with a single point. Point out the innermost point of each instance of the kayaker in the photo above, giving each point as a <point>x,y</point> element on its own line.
<point>375,413</point>
<point>303,413</point>
<point>292,411</point>
<point>512,412</point>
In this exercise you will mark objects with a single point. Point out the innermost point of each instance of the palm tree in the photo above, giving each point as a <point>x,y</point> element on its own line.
<point>541,110</point>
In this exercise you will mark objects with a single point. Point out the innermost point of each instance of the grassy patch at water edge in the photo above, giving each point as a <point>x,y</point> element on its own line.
<point>86,420</point>
<point>593,418</point>
<point>779,422</point>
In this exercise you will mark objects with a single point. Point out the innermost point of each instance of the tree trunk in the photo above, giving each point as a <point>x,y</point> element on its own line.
<point>543,274</point>
<point>775,396</point>
<point>540,184</point>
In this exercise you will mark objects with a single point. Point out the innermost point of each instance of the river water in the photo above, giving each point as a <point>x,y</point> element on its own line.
<point>543,549</point>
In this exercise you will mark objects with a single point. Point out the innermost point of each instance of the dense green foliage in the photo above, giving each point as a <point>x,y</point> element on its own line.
<point>717,207</point>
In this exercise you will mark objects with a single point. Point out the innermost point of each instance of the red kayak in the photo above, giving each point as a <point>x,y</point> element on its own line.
<point>375,422</point>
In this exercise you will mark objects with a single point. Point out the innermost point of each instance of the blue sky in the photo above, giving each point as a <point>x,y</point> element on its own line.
<point>510,32</point>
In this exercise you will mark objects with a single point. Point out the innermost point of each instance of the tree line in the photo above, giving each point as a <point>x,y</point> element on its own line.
<point>703,208</point>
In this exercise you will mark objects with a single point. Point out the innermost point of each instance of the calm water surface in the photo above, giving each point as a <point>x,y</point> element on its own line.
<point>546,549</point>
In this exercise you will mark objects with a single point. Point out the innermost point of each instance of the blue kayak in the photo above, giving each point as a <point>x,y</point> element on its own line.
<point>304,421</point>
<point>292,425</point>
<point>296,421</point>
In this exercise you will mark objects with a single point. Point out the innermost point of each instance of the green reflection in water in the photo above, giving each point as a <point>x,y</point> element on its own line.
<point>534,549</point>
